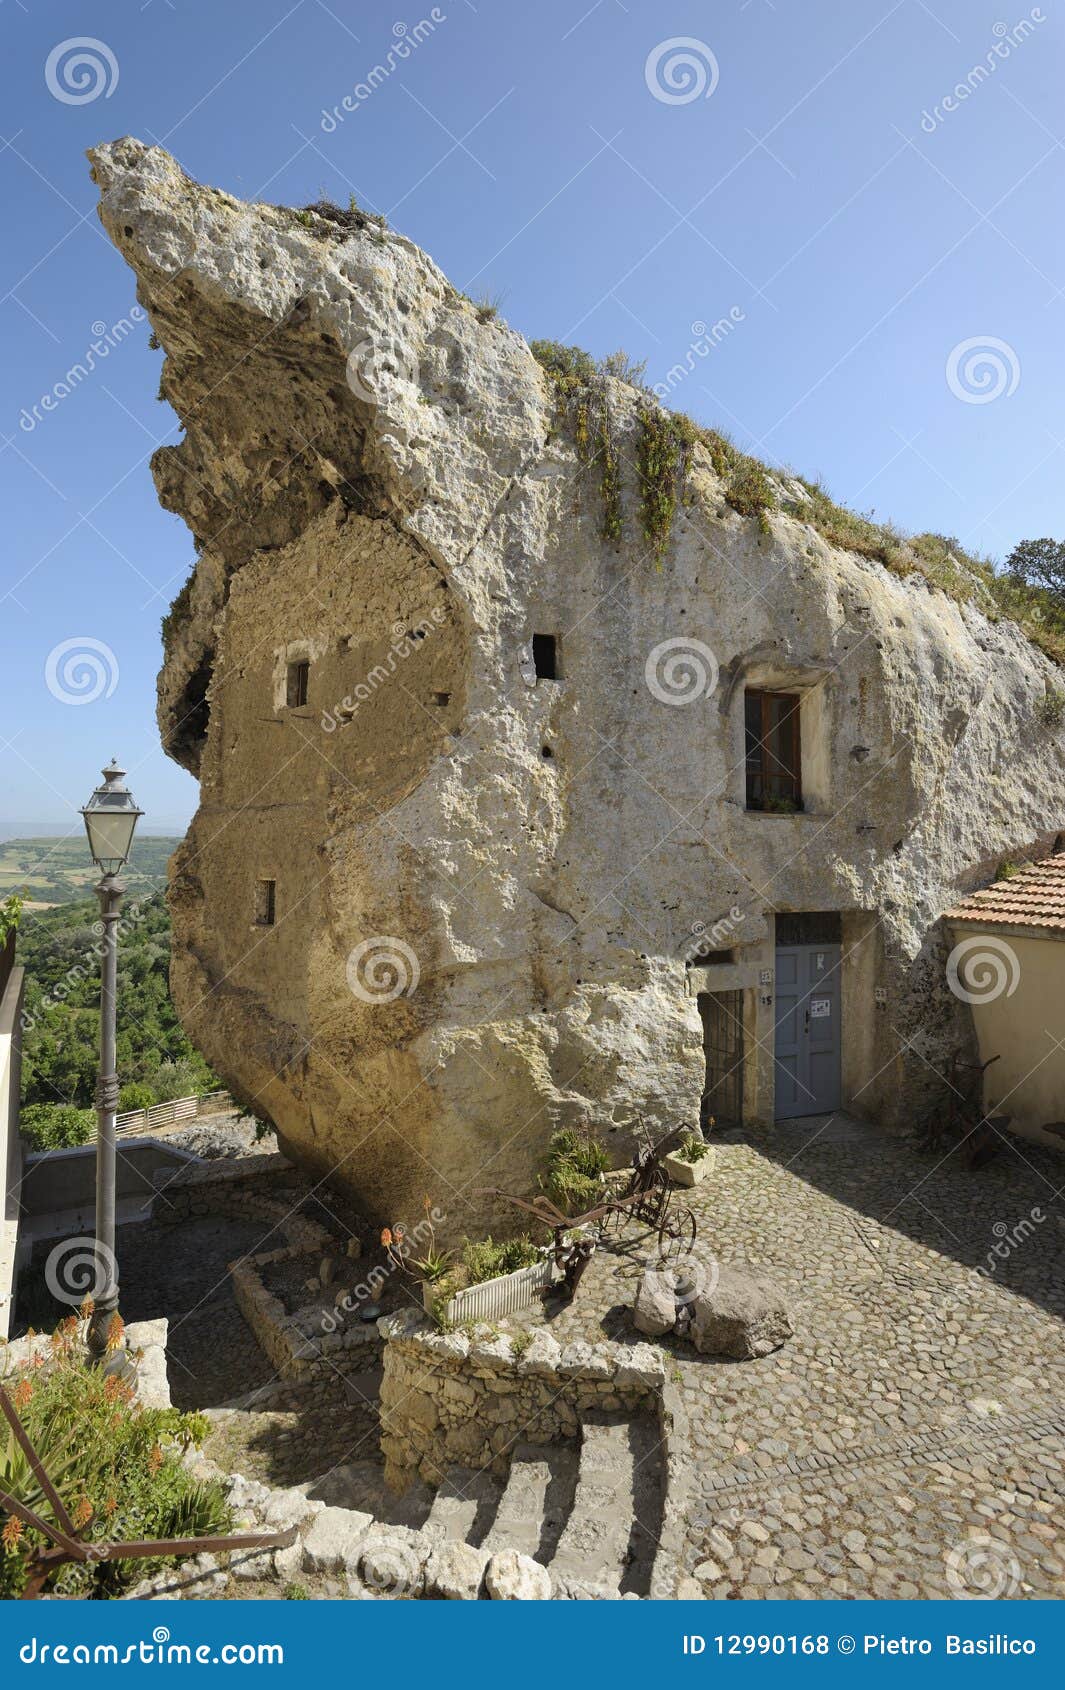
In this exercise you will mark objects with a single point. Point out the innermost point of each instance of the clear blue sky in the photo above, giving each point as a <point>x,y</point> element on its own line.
<point>858,236</point>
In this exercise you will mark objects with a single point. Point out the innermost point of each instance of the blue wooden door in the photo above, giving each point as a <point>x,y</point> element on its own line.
<point>808,1039</point>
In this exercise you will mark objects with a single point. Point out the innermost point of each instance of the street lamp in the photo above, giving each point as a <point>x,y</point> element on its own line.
<point>110,818</point>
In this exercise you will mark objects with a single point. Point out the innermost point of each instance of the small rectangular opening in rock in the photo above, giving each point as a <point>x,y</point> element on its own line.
<point>265,902</point>
<point>296,683</point>
<point>545,657</point>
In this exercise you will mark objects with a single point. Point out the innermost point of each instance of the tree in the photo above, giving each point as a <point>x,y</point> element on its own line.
<point>1040,563</point>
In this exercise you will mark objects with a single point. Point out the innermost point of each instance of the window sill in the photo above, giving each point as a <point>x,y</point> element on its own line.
<point>786,815</point>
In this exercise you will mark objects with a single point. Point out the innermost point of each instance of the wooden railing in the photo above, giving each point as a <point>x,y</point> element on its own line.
<point>169,1114</point>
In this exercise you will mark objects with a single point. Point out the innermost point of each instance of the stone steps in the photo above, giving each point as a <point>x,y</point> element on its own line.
<point>536,1502</point>
<point>605,1545</point>
<point>570,1522</point>
<point>465,1506</point>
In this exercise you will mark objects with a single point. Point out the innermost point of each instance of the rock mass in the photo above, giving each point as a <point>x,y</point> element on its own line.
<point>471,757</point>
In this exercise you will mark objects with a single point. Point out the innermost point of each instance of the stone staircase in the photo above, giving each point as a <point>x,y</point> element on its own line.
<point>571,1520</point>
<point>589,1513</point>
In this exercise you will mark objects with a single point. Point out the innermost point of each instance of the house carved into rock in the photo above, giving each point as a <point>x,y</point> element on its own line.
<point>539,783</point>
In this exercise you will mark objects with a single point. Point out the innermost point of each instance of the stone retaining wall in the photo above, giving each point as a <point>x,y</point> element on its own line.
<point>452,1400</point>
<point>304,1342</point>
<point>248,1189</point>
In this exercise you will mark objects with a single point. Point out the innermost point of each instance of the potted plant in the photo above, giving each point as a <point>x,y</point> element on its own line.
<point>691,1161</point>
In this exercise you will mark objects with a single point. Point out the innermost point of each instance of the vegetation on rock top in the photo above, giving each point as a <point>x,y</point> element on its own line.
<point>1030,591</point>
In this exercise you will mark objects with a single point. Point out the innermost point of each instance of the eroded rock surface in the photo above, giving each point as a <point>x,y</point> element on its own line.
<point>380,486</point>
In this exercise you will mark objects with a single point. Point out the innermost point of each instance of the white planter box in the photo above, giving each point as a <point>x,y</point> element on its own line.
<point>495,1297</point>
<point>689,1173</point>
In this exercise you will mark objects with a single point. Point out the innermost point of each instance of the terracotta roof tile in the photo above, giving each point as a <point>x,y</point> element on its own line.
<point>1033,898</point>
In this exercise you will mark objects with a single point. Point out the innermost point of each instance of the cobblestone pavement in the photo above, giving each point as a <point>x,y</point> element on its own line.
<point>182,1272</point>
<point>908,1440</point>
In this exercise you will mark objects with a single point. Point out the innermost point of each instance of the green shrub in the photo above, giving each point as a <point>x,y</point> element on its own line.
<point>136,1095</point>
<point>56,1126</point>
<point>487,1259</point>
<point>10,915</point>
<point>693,1148</point>
<point>575,1161</point>
<point>115,1465</point>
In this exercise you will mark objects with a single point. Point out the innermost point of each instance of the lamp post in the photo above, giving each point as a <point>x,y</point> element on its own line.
<point>110,818</point>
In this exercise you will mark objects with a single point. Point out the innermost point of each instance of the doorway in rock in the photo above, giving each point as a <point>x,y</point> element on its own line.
<point>808,1040</point>
<point>722,1017</point>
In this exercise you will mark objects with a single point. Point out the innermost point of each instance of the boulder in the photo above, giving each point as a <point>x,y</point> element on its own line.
<point>655,1311</point>
<point>392,1561</point>
<point>511,1577</point>
<point>334,1539</point>
<point>289,1508</point>
<point>455,1572</point>
<point>389,444</point>
<point>743,1316</point>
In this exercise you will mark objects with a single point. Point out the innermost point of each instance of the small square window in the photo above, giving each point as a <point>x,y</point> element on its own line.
<point>296,683</point>
<point>545,657</point>
<point>265,903</point>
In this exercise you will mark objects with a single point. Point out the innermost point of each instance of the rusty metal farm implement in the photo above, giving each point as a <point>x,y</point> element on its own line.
<point>646,1196</point>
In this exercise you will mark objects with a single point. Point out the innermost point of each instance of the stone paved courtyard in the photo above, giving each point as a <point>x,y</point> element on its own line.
<point>908,1441</point>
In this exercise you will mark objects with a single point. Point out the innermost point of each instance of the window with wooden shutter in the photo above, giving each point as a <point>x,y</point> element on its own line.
<point>774,762</point>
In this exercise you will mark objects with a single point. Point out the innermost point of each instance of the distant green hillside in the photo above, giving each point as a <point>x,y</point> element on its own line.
<point>60,949</point>
<point>59,871</point>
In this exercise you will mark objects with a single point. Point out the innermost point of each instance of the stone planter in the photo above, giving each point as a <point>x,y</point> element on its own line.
<point>689,1173</point>
<point>493,1298</point>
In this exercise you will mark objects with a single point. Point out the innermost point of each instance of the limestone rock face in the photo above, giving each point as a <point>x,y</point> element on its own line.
<point>485,881</point>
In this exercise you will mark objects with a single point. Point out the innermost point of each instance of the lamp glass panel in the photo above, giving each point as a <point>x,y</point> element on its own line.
<point>110,834</point>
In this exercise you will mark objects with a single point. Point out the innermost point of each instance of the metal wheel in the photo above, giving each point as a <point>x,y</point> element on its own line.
<point>676,1234</point>
<point>654,1199</point>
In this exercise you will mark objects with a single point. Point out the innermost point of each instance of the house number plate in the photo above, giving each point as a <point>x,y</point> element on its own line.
<point>820,1008</point>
